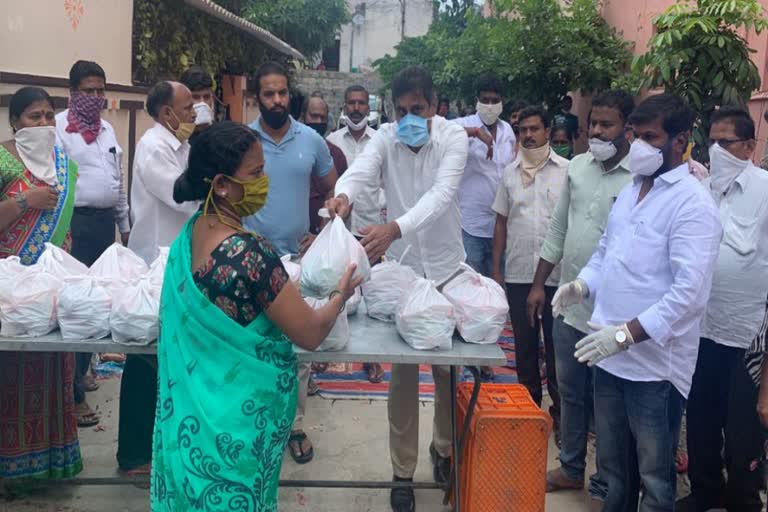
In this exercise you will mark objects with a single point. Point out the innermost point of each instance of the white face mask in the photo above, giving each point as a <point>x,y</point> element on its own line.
<point>357,126</point>
<point>35,147</point>
<point>644,159</point>
<point>724,168</point>
<point>489,113</point>
<point>601,149</point>
<point>204,113</point>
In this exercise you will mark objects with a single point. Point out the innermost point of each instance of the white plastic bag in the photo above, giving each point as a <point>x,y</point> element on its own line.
<point>134,319</point>
<point>293,269</point>
<point>328,258</point>
<point>10,268</point>
<point>83,309</point>
<point>480,304</point>
<point>58,262</point>
<point>118,263</point>
<point>354,302</point>
<point>389,281</point>
<point>157,268</point>
<point>339,336</point>
<point>28,305</point>
<point>425,319</point>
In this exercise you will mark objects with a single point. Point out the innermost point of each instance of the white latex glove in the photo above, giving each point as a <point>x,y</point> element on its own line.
<point>601,344</point>
<point>568,295</point>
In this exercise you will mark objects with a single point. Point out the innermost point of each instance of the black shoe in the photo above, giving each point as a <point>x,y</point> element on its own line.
<point>442,466</point>
<point>402,498</point>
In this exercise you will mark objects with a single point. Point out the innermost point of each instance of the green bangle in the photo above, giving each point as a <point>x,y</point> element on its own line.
<point>343,303</point>
<point>21,200</point>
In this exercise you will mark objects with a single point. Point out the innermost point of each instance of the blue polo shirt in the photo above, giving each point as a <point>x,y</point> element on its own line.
<point>284,219</point>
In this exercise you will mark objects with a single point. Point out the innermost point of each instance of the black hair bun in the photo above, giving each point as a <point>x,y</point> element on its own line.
<point>184,190</point>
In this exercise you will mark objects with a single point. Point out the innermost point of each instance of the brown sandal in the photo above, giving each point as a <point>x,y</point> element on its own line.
<point>85,416</point>
<point>375,372</point>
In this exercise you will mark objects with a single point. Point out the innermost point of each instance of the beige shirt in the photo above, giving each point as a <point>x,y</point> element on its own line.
<point>528,211</point>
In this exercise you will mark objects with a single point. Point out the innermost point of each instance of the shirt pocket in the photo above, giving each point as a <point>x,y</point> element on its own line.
<point>740,234</point>
<point>645,251</point>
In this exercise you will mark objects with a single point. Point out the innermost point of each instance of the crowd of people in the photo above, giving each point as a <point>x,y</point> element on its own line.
<point>644,274</point>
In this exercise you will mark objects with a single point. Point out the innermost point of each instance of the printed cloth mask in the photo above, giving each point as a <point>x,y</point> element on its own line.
<point>35,147</point>
<point>84,115</point>
<point>412,131</point>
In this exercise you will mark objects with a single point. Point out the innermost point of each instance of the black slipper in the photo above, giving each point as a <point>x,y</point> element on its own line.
<point>299,438</point>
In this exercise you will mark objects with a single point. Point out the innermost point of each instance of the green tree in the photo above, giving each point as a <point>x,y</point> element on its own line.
<point>699,54</point>
<point>539,48</point>
<point>307,25</point>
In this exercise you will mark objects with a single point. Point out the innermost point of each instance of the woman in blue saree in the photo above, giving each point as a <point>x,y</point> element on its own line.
<point>229,317</point>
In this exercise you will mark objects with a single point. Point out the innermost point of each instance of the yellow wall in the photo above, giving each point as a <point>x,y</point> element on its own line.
<point>42,37</point>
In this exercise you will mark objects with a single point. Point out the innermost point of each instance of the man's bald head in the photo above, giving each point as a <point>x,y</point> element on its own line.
<point>170,103</point>
<point>316,114</point>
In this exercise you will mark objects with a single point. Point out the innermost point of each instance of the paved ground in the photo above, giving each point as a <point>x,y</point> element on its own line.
<point>350,443</point>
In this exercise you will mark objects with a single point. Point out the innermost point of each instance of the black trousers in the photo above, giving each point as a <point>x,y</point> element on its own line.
<point>527,345</point>
<point>93,231</point>
<point>722,413</point>
<point>138,398</point>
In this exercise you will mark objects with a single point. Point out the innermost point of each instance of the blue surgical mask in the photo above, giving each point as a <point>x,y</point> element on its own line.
<point>412,131</point>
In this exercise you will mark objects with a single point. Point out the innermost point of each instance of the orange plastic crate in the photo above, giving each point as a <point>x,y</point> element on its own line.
<point>504,461</point>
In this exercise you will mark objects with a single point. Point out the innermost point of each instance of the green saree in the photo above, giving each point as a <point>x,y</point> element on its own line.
<point>226,401</point>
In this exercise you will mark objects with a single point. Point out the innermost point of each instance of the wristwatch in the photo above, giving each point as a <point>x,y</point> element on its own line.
<point>21,200</point>
<point>623,337</point>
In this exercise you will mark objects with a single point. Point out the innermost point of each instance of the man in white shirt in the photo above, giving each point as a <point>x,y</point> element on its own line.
<point>200,84</point>
<point>100,199</point>
<point>352,140</point>
<point>491,148</point>
<point>161,157</point>
<point>650,278</point>
<point>525,200</point>
<point>420,160</point>
<point>722,406</point>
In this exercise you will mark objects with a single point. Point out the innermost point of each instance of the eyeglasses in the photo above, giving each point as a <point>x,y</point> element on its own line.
<point>724,143</point>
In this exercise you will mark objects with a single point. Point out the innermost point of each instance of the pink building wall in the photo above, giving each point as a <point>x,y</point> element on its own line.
<point>632,18</point>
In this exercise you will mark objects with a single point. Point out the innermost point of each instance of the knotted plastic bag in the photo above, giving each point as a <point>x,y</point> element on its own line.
<point>389,281</point>
<point>135,311</point>
<point>425,319</point>
<point>28,303</point>
<point>291,268</point>
<point>480,304</point>
<point>83,309</point>
<point>332,252</point>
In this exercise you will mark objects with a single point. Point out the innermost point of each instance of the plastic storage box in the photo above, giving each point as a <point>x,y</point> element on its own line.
<point>504,461</point>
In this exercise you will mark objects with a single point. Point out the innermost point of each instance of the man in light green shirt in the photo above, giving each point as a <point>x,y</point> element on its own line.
<point>593,182</point>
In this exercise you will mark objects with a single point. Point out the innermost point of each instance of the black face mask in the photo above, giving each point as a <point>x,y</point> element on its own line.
<point>275,119</point>
<point>320,128</point>
<point>516,129</point>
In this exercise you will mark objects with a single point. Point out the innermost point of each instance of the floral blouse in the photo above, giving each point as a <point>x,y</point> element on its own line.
<point>242,277</point>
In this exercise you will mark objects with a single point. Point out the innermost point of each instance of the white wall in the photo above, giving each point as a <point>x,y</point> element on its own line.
<point>381,30</point>
<point>41,37</point>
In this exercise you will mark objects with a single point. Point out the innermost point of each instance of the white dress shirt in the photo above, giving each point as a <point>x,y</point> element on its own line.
<point>370,200</point>
<point>655,263</point>
<point>421,194</point>
<point>478,186</point>
<point>740,284</point>
<point>157,218</point>
<point>99,169</point>
<point>528,211</point>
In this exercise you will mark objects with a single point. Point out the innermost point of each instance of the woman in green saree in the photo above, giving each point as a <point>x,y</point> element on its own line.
<point>228,319</point>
